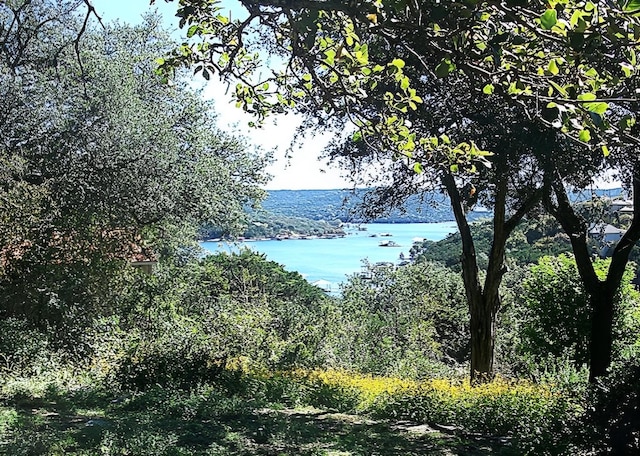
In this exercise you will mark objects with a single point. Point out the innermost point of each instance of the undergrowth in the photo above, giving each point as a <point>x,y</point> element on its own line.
<point>63,415</point>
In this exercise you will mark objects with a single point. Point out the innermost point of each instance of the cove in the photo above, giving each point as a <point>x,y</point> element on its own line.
<point>332,260</point>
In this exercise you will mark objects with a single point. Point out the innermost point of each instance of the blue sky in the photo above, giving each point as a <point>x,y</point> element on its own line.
<point>302,170</point>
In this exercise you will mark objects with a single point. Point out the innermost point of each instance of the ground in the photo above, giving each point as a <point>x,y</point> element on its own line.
<point>159,423</point>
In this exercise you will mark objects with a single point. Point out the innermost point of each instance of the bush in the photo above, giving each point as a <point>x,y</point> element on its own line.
<point>185,323</point>
<point>615,409</point>
<point>23,351</point>
<point>557,313</point>
<point>179,358</point>
<point>409,321</point>
<point>535,419</point>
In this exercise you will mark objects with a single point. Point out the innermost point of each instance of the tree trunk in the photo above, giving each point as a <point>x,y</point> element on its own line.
<point>601,344</point>
<point>484,303</point>
<point>601,292</point>
<point>483,336</point>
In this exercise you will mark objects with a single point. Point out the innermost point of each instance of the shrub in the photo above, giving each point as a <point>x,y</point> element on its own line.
<point>23,351</point>
<point>178,356</point>
<point>557,312</point>
<point>615,409</point>
<point>409,321</point>
<point>536,419</point>
<point>189,321</point>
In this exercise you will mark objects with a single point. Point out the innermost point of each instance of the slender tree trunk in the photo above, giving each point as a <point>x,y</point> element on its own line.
<point>601,344</point>
<point>481,332</point>
<point>601,292</point>
<point>484,303</point>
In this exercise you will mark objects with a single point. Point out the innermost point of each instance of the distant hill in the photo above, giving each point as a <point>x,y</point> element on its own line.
<point>319,212</point>
<point>339,205</point>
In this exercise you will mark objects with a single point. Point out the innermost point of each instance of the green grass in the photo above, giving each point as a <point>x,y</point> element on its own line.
<point>206,421</point>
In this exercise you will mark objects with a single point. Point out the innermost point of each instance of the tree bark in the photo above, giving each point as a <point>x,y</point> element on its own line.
<point>601,344</point>
<point>481,324</point>
<point>483,336</point>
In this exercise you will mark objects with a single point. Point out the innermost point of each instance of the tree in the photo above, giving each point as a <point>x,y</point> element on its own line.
<point>411,320</point>
<point>101,160</point>
<point>569,65</point>
<point>601,290</point>
<point>509,182</point>
<point>563,61</point>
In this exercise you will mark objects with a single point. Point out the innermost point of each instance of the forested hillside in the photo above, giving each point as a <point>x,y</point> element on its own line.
<point>343,205</point>
<point>268,225</point>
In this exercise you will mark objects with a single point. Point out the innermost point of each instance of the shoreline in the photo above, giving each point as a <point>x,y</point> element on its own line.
<point>350,229</point>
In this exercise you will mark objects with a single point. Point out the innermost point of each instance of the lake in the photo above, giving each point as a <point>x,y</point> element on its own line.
<point>332,260</point>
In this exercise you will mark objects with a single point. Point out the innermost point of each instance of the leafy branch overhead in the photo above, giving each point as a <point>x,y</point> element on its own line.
<point>572,64</point>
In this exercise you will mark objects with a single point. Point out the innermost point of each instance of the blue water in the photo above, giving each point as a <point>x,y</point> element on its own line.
<point>333,259</point>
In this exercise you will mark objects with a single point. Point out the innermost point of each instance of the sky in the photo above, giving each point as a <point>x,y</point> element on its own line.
<point>300,170</point>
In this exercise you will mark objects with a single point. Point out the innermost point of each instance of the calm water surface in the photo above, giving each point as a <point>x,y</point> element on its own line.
<point>333,259</point>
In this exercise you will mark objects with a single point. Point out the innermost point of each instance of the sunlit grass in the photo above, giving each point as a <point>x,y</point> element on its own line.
<point>58,413</point>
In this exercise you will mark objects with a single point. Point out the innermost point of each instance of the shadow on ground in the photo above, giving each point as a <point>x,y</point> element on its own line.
<point>162,424</point>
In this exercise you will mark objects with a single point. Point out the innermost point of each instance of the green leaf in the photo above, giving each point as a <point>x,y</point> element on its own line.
<point>575,17</point>
<point>599,108</point>
<point>626,69</point>
<point>585,136</point>
<point>587,96</point>
<point>398,63</point>
<point>417,168</point>
<point>605,150</point>
<point>444,68</point>
<point>592,73</point>
<point>549,19</point>
<point>553,67</point>
<point>632,6</point>
<point>488,89</point>
<point>331,55</point>
<point>192,30</point>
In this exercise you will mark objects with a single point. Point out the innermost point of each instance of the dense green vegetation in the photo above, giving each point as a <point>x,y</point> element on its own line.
<point>529,242</point>
<point>204,355</point>
<point>262,224</point>
<point>118,337</point>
